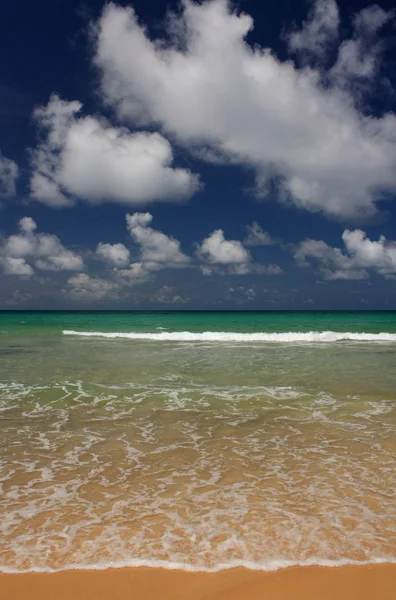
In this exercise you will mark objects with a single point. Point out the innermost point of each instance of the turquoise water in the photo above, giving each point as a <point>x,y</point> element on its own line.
<point>197,440</point>
<point>52,323</point>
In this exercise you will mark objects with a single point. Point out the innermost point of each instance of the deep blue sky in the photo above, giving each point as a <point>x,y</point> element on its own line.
<point>49,48</point>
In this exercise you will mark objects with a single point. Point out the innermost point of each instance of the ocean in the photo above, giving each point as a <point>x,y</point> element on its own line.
<point>197,440</point>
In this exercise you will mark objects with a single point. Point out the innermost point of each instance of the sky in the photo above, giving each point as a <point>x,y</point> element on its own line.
<point>198,155</point>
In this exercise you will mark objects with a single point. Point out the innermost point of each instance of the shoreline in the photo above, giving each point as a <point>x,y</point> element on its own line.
<point>369,582</point>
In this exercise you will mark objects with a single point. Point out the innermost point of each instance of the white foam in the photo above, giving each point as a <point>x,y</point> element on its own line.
<point>272,565</point>
<point>234,478</point>
<point>221,336</point>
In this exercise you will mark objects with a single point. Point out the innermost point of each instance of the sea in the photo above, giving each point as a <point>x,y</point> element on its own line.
<point>197,440</point>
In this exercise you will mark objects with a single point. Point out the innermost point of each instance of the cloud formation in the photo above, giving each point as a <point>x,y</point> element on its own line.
<point>85,288</point>
<point>318,33</point>
<point>116,255</point>
<point>156,249</point>
<point>20,254</point>
<point>8,175</point>
<point>240,294</point>
<point>87,158</point>
<point>359,256</point>
<point>212,91</point>
<point>359,57</point>
<point>215,249</point>
<point>256,236</point>
<point>167,295</point>
<point>221,256</point>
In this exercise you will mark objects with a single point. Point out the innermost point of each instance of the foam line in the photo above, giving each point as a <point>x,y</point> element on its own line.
<point>273,565</point>
<point>215,336</point>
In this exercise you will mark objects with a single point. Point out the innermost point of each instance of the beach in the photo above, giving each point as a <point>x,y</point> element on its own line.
<point>198,300</point>
<point>210,452</point>
<point>374,582</point>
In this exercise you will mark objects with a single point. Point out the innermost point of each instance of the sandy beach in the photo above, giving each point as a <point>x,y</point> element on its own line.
<point>374,582</point>
<point>196,455</point>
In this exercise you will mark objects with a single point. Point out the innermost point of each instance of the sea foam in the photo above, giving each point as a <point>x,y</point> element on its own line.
<point>222,336</point>
<point>269,566</point>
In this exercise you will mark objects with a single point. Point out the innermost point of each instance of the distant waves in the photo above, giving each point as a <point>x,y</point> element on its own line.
<point>218,336</point>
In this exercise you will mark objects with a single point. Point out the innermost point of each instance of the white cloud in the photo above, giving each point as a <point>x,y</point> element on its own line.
<point>318,32</point>
<point>209,89</point>
<point>215,249</point>
<point>8,175</point>
<point>380,255</point>
<point>87,158</point>
<point>166,295</point>
<point>157,250</point>
<point>370,19</point>
<point>257,236</point>
<point>359,256</point>
<point>359,57</point>
<point>27,225</point>
<point>240,295</point>
<point>43,250</point>
<point>230,257</point>
<point>116,255</point>
<point>267,270</point>
<point>136,273</point>
<point>206,270</point>
<point>16,266</point>
<point>250,293</point>
<point>85,288</point>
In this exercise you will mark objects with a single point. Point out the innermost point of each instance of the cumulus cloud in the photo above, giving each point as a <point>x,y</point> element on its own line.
<point>209,89</point>
<point>215,249</point>
<point>257,236</point>
<point>87,158</point>
<point>319,32</point>
<point>167,295</point>
<point>223,256</point>
<point>267,269</point>
<point>22,252</point>
<point>136,273</point>
<point>8,175</point>
<point>359,57</point>
<point>359,256</point>
<point>116,255</point>
<point>230,257</point>
<point>16,266</point>
<point>370,19</point>
<point>240,294</point>
<point>157,250</point>
<point>85,288</point>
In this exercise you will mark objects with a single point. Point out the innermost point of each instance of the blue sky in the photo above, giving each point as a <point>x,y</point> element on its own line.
<point>214,155</point>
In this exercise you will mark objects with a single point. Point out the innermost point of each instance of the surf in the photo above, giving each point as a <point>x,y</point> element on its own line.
<point>222,336</point>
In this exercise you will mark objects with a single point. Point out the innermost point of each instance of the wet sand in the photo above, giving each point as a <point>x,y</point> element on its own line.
<point>374,582</point>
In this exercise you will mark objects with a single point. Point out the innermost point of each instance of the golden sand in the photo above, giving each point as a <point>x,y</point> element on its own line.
<point>374,582</point>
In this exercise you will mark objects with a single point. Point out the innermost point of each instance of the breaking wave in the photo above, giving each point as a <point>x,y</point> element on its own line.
<point>270,566</point>
<point>221,336</point>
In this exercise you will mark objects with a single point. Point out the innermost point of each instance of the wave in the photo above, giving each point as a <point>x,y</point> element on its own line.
<point>272,565</point>
<point>221,336</point>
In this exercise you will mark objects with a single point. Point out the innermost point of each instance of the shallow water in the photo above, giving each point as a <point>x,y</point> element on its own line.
<point>194,453</point>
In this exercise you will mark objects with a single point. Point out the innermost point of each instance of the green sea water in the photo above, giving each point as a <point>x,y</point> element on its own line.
<point>52,323</point>
<point>197,439</point>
